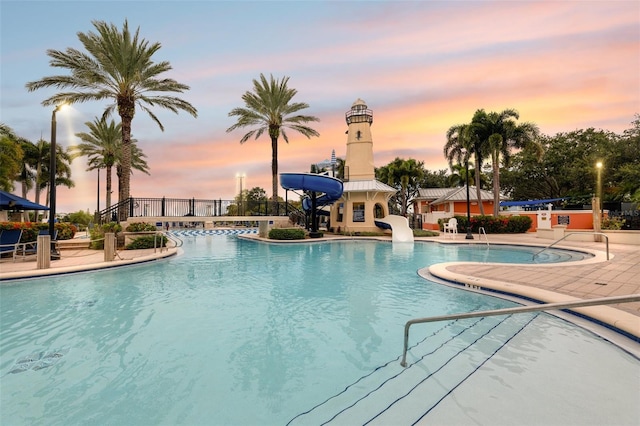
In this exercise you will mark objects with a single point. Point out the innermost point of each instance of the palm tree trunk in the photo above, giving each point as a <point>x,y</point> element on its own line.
<point>478,191</point>
<point>108,188</point>
<point>126,111</point>
<point>274,173</point>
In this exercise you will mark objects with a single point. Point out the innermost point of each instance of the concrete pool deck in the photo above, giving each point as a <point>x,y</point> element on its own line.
<point>592,278</point>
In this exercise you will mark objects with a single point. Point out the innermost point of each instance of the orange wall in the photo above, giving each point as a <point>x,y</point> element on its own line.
<point>577,219</point>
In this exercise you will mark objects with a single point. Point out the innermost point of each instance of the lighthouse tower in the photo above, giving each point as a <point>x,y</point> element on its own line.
<point>364,199</point>
<point>359,162</point>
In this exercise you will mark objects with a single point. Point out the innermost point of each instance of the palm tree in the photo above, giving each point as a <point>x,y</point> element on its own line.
<point>117,67</point>
<point>100,146</point>
<point>501,134</point>
<point>269,108</point>
<point>462,142</point>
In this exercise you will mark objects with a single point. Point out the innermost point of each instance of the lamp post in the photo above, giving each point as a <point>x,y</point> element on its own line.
<point>240,176</point>
<point>599,186</point>
<point>98,192</point>
<point>466,168</point>
<point>52,184</point>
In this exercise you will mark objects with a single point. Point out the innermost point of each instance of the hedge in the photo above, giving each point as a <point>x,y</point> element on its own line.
<point>287,234</point>
<point>492,224</point>
<point>30,230</point>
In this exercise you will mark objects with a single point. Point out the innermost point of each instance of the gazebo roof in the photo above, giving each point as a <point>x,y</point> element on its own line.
<point>366,186</point>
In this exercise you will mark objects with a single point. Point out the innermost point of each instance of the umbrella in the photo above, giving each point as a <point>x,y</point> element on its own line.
<point>9,201</point>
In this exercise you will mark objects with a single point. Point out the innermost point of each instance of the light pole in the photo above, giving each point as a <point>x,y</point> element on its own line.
<point>52,184</point>
<point>240,176</point>
<point>98,205</point>
<point>599,187</point>
<point>469,234</point>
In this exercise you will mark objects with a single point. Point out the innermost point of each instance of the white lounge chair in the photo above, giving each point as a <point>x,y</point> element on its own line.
<point>451,228</point>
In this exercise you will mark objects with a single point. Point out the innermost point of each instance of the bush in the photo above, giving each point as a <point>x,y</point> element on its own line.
<point>140,227</point>
<point>612,223</point>
<point>97,233</point>
<point>147,242</point>
<point>287,234</point>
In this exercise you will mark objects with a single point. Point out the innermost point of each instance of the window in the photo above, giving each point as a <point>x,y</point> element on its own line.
<point>358,212</point>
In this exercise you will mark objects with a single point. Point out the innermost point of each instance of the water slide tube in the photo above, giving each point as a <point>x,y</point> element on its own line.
<point>329,186</point>
<point>399,225</point>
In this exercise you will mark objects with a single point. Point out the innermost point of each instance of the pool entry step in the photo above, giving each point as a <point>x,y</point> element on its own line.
<point>437,365</point>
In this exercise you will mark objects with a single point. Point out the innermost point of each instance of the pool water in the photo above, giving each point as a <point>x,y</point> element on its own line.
<point>237,332</point>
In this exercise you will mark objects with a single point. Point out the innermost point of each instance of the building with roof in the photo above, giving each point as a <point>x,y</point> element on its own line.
<point>440,203</point>
<point>364,199</point>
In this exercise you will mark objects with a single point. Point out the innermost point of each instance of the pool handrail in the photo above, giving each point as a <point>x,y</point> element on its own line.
<point>521,309</point>
<point>606,237</point>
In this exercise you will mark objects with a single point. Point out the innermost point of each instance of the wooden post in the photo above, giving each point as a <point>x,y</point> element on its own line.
<point>109,246</point>
<point>43,254</point>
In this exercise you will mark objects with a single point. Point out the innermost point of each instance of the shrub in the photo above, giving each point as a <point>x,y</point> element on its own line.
<point>140,227</point>
<point>287,234</point>
<point>97,234</point>
<point>612,223</point>
<point>66,231</point>
<point>424,233</point>
<point>518,224</point>
<point>147,242</point>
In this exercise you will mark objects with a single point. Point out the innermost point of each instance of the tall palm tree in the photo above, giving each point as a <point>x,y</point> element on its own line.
<point>269,108</point>
<point>462,143</point>
<point>502,134</point>
<point>100,146</point>
<point>117,67</point>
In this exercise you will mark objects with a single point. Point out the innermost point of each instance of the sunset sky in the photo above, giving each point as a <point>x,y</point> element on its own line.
<point>421,66</point>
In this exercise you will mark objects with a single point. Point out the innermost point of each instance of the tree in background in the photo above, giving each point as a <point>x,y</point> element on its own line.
<point>118,66</point>
<point>100,145</point>
<point>268,108</point>
<point>567,167</point>
<point>499,134</point>
<point>11,158</point>
<point>405,176</point>
<point>462,143</point>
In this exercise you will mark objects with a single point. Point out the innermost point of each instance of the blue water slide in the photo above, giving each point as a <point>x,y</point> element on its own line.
<point>330,187</point>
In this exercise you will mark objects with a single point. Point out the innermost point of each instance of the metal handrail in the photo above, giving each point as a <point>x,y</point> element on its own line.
<point>508,311</point>
<point>482,231</point>
<point>606,237</point>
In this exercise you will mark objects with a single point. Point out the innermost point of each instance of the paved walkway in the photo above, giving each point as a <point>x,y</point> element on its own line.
<point>592,278</point>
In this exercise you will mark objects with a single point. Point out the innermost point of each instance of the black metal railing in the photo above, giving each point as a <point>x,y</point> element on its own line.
<point>191,207</point>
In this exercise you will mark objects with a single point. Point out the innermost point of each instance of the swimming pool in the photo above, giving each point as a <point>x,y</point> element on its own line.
<point>244,333</point>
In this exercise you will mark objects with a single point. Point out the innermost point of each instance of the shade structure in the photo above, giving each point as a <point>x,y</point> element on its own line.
<point>9,201</point>
<point>529,202</point>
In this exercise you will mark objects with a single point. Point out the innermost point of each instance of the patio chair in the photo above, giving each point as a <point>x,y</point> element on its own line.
<point>9,242</point>
<point>31,248</point>
<point>451,228</point>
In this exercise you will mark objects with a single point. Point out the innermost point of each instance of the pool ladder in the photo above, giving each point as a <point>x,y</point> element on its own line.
<point>606,237</point>
<point>482,231</point>
<point>509,311</point>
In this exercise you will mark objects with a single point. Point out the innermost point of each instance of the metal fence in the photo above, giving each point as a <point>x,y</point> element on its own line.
<point>191,207</point>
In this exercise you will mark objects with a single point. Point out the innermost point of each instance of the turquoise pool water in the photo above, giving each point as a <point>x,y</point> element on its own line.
<point>236,332</point>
